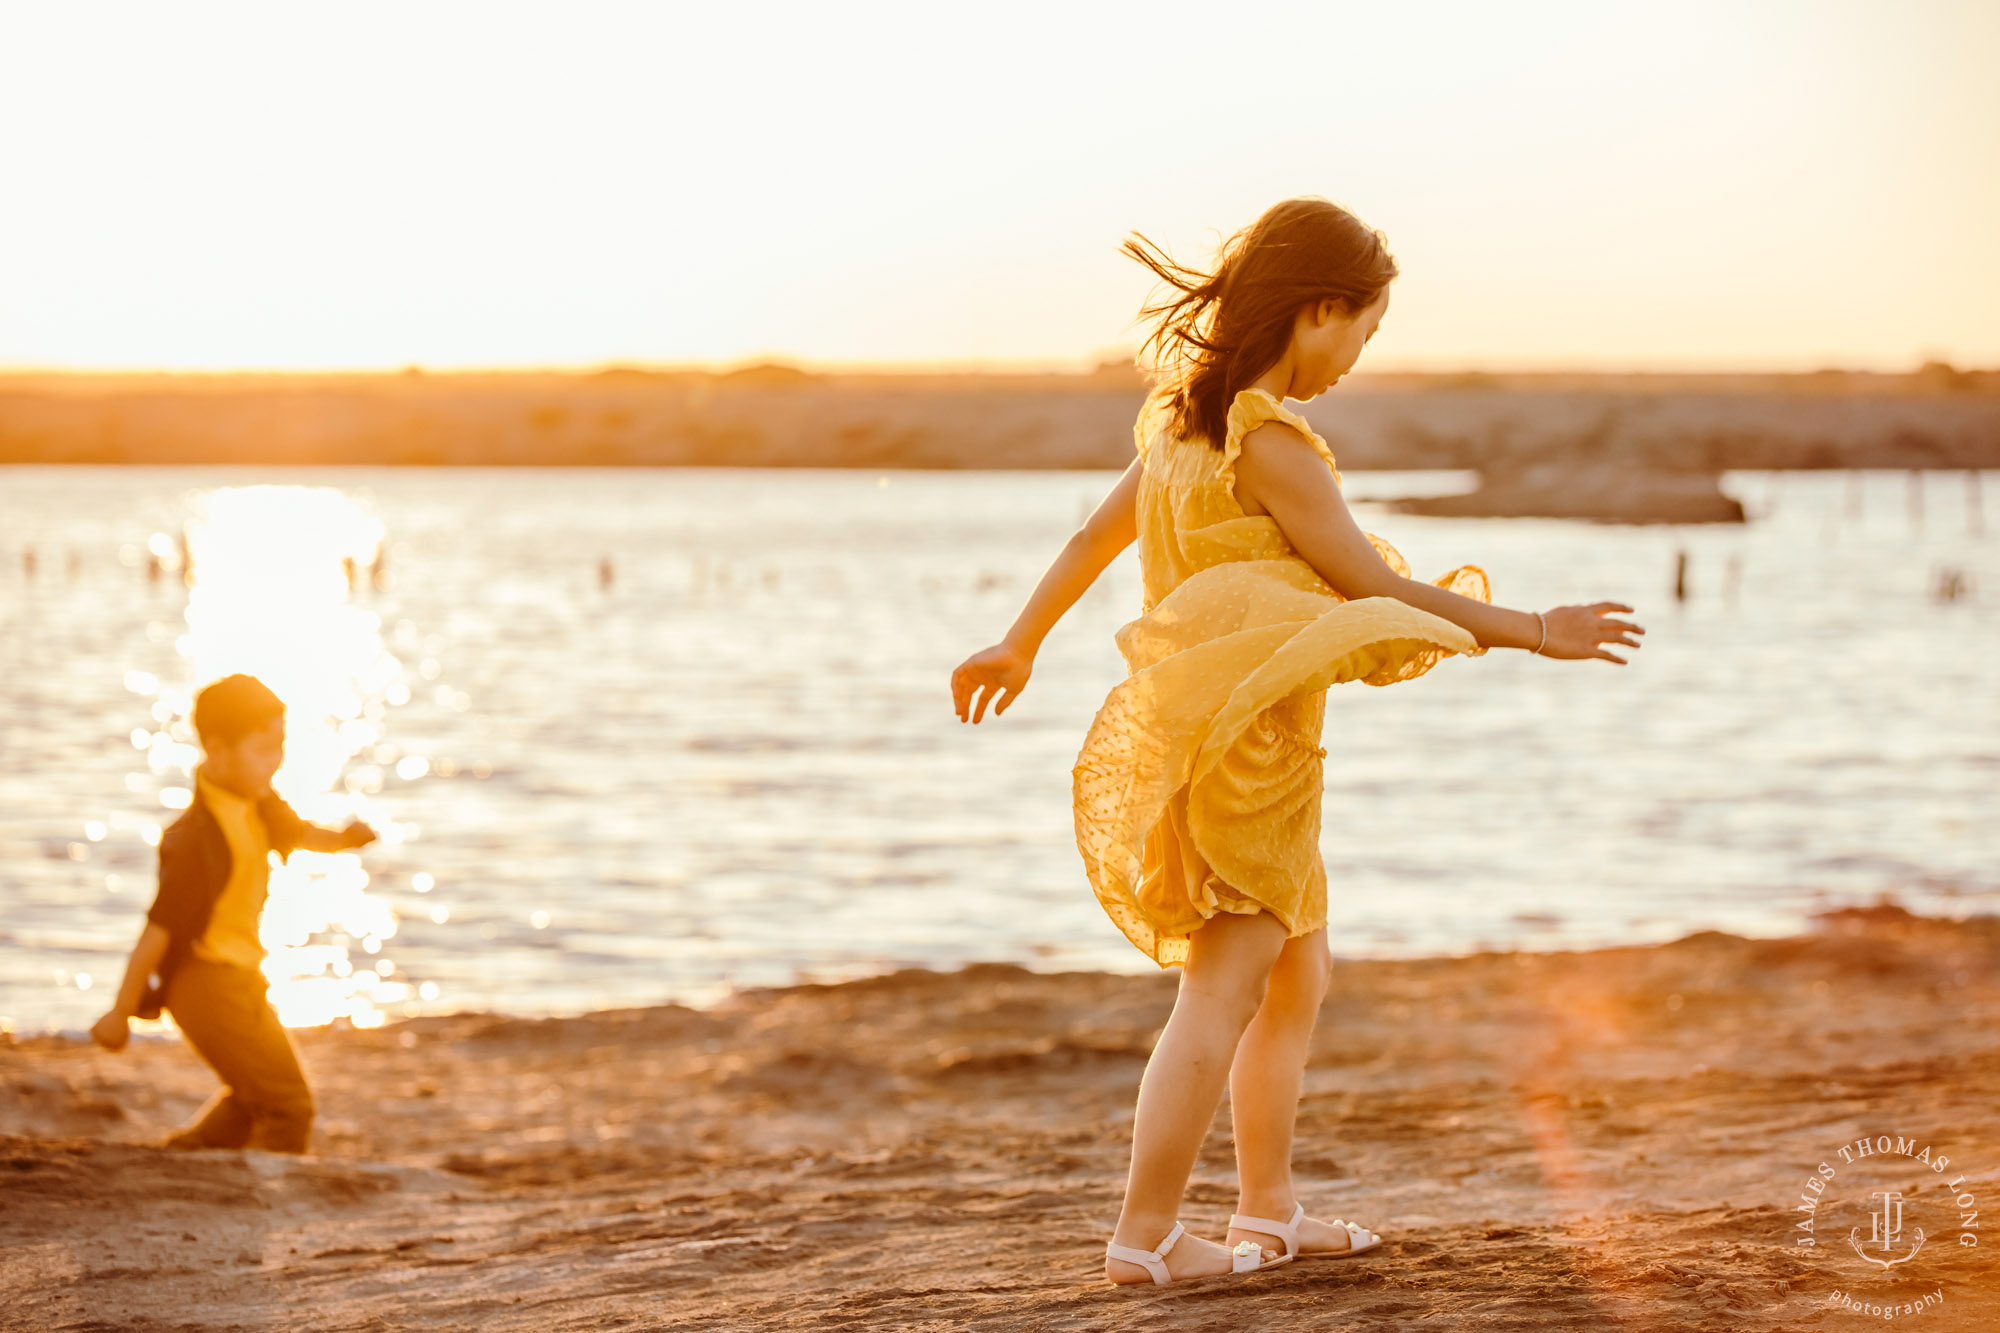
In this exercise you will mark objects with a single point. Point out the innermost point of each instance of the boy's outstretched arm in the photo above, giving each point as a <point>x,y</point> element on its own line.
<point>290,832</point>
<point>1002,670</point>
<point>319,838</point>
<point>114,1029</point>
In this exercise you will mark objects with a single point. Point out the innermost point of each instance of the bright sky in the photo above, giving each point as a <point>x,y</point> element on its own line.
<point>1687,184</point>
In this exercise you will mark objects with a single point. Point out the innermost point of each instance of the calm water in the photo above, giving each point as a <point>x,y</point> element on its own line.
<point>734,762</point>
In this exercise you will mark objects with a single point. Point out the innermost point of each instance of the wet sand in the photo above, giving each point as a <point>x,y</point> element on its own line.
<point>1609,1139</point>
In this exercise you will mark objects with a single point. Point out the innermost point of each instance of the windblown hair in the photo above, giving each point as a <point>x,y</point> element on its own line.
<point>1217,332</point>
<point>227,710</point>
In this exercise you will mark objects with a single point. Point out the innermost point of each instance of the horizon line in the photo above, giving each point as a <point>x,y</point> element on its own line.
<point>1079,366</point>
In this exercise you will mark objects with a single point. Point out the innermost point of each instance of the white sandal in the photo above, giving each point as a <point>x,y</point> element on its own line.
<point>1359,1238</point>
<point>1247,1257</point>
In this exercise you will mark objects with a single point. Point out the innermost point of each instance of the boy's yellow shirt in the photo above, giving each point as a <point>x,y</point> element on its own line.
<point>231,936</point>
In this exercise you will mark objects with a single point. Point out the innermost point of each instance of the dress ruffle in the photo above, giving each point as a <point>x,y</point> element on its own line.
<point>1253,408</point>
<point>1197,789</point>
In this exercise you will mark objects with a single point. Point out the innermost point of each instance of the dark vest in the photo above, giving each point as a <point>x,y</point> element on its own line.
<point>195,862</point>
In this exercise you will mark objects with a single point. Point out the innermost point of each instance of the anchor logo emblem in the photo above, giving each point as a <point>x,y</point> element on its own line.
<point>1885,1230</point>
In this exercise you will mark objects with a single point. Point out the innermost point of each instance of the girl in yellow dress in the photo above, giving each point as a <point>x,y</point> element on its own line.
<point>1197,791</point>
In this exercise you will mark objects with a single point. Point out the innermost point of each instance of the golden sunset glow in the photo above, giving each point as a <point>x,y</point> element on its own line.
<point>268,594</point>
<point>1710,185</point>
<point>982,665</point>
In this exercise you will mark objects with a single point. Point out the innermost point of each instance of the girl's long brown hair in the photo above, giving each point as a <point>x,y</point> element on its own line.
<point>1217,332</point>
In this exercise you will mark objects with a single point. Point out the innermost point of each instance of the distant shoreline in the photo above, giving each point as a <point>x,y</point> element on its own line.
<point>1649,440</point>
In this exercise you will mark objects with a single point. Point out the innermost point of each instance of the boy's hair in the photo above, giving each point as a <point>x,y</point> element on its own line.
<point>1217,332</point>
<point>227,710</point>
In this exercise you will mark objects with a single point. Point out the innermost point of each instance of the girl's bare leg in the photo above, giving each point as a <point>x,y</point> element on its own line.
<point>1222,987</point>
<point>1264,1087</point>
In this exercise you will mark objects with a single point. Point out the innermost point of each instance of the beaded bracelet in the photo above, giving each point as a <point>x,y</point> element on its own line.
<point>1545,634</point>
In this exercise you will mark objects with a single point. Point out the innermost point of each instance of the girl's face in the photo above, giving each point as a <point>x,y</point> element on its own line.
<point>1327,341</point>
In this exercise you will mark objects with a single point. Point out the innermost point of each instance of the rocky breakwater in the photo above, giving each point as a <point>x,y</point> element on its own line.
<point>1651,449</point>
<point>1600,492</point>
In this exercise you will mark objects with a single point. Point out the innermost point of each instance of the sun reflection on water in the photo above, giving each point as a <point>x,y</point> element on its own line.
<point>270,570</point>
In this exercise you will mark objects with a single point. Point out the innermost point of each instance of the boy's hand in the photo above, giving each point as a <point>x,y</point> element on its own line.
<point>112,1031</point>
<point>356,834</point>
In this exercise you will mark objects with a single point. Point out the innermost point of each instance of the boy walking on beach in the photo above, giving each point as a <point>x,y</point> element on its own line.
<point>201,937</point>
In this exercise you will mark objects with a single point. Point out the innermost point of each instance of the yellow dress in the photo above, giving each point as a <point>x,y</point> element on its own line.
<point>1198,788</point>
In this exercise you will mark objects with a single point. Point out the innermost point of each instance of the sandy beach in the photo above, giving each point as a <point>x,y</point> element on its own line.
<point>1609,1139</point>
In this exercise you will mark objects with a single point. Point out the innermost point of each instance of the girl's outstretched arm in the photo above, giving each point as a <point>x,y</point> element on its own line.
<point>1002,670</point>
<point>1281,474</point>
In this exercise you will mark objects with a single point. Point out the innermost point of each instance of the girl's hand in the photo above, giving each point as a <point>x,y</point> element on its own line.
<point>112,1031</point>
<point>356,834</point>
<point>1000,670</point>
<point>1576,631</point>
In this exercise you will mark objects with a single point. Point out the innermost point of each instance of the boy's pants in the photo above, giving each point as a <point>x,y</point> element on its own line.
<point>264,1102</point>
